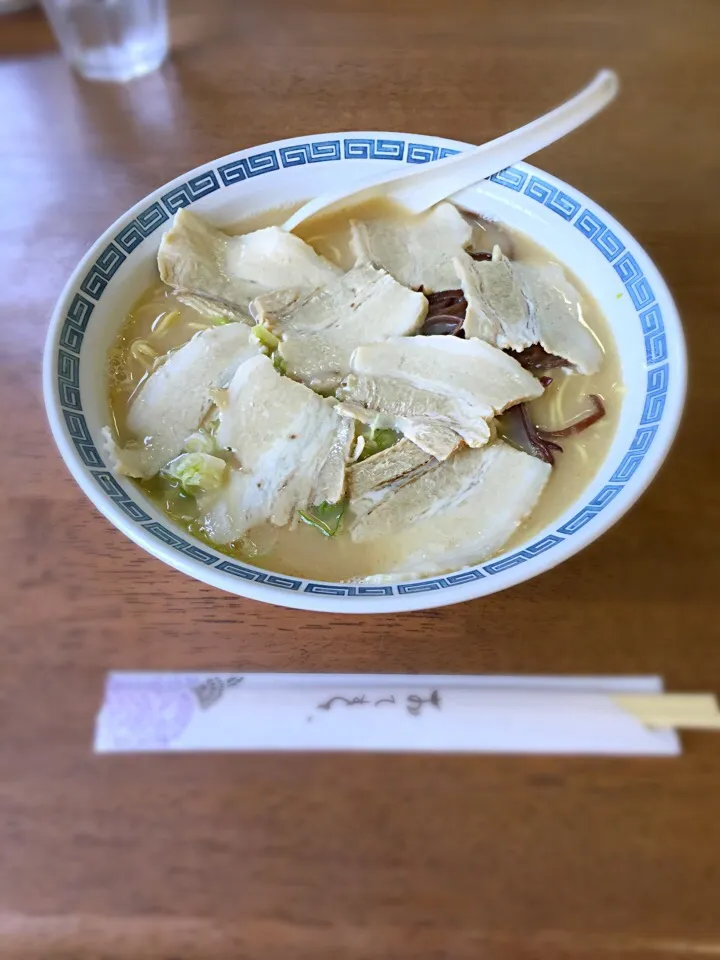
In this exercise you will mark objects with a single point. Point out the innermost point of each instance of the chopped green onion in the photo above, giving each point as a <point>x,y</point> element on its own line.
<point>380,439</point>
<point>265,337</point>
<point>325,517</point>
<point>384,438</point>
<point>279,364</point>
<point>221,321</point>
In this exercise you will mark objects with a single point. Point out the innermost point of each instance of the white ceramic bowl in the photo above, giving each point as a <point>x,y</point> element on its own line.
<point>121,264</point>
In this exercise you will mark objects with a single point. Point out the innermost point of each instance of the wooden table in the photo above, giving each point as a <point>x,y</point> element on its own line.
<point>354,856</point>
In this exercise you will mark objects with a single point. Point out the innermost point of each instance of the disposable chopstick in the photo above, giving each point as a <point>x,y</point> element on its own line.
<point>672,711</point>
<point>629,716</point>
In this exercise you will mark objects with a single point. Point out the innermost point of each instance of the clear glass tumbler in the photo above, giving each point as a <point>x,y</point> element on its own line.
<point>110,39</point>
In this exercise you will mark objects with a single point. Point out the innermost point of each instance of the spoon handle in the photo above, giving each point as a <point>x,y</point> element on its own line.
<point>422,188</point>
<point>422,191</point>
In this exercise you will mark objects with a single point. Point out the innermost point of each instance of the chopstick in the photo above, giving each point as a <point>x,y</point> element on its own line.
<point>665,711</point>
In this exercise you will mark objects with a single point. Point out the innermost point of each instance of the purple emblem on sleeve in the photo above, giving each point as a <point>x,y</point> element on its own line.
<point>141,715</point>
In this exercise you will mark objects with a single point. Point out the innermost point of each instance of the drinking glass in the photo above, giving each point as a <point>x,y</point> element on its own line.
<point>110,39</point>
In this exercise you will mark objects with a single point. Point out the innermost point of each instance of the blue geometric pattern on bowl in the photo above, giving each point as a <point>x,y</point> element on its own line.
<point>588,224</point>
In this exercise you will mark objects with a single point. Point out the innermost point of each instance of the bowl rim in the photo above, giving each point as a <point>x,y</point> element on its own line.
<point>421,594</point>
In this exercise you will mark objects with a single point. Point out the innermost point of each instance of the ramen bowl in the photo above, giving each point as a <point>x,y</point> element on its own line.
<point>610,263</point>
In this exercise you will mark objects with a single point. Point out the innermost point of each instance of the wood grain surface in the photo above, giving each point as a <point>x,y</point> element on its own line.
<point>354,856</point>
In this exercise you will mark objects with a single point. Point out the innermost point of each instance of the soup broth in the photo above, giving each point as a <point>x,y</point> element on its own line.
<point>159,323</point>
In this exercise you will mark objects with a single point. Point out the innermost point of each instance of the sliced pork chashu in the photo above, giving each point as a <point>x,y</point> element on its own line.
<point>321,329</point>
<point>418,251</point>
<point>216,272</point>
<point>291,446</point>
<point>385,469</point>
<point>454,513</point>
<point>515,305</point>
<point>371,480</point>
<point>172,402</point>
<point>437,391</point>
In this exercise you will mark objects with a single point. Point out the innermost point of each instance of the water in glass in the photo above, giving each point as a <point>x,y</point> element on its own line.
<point>110,39</point>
